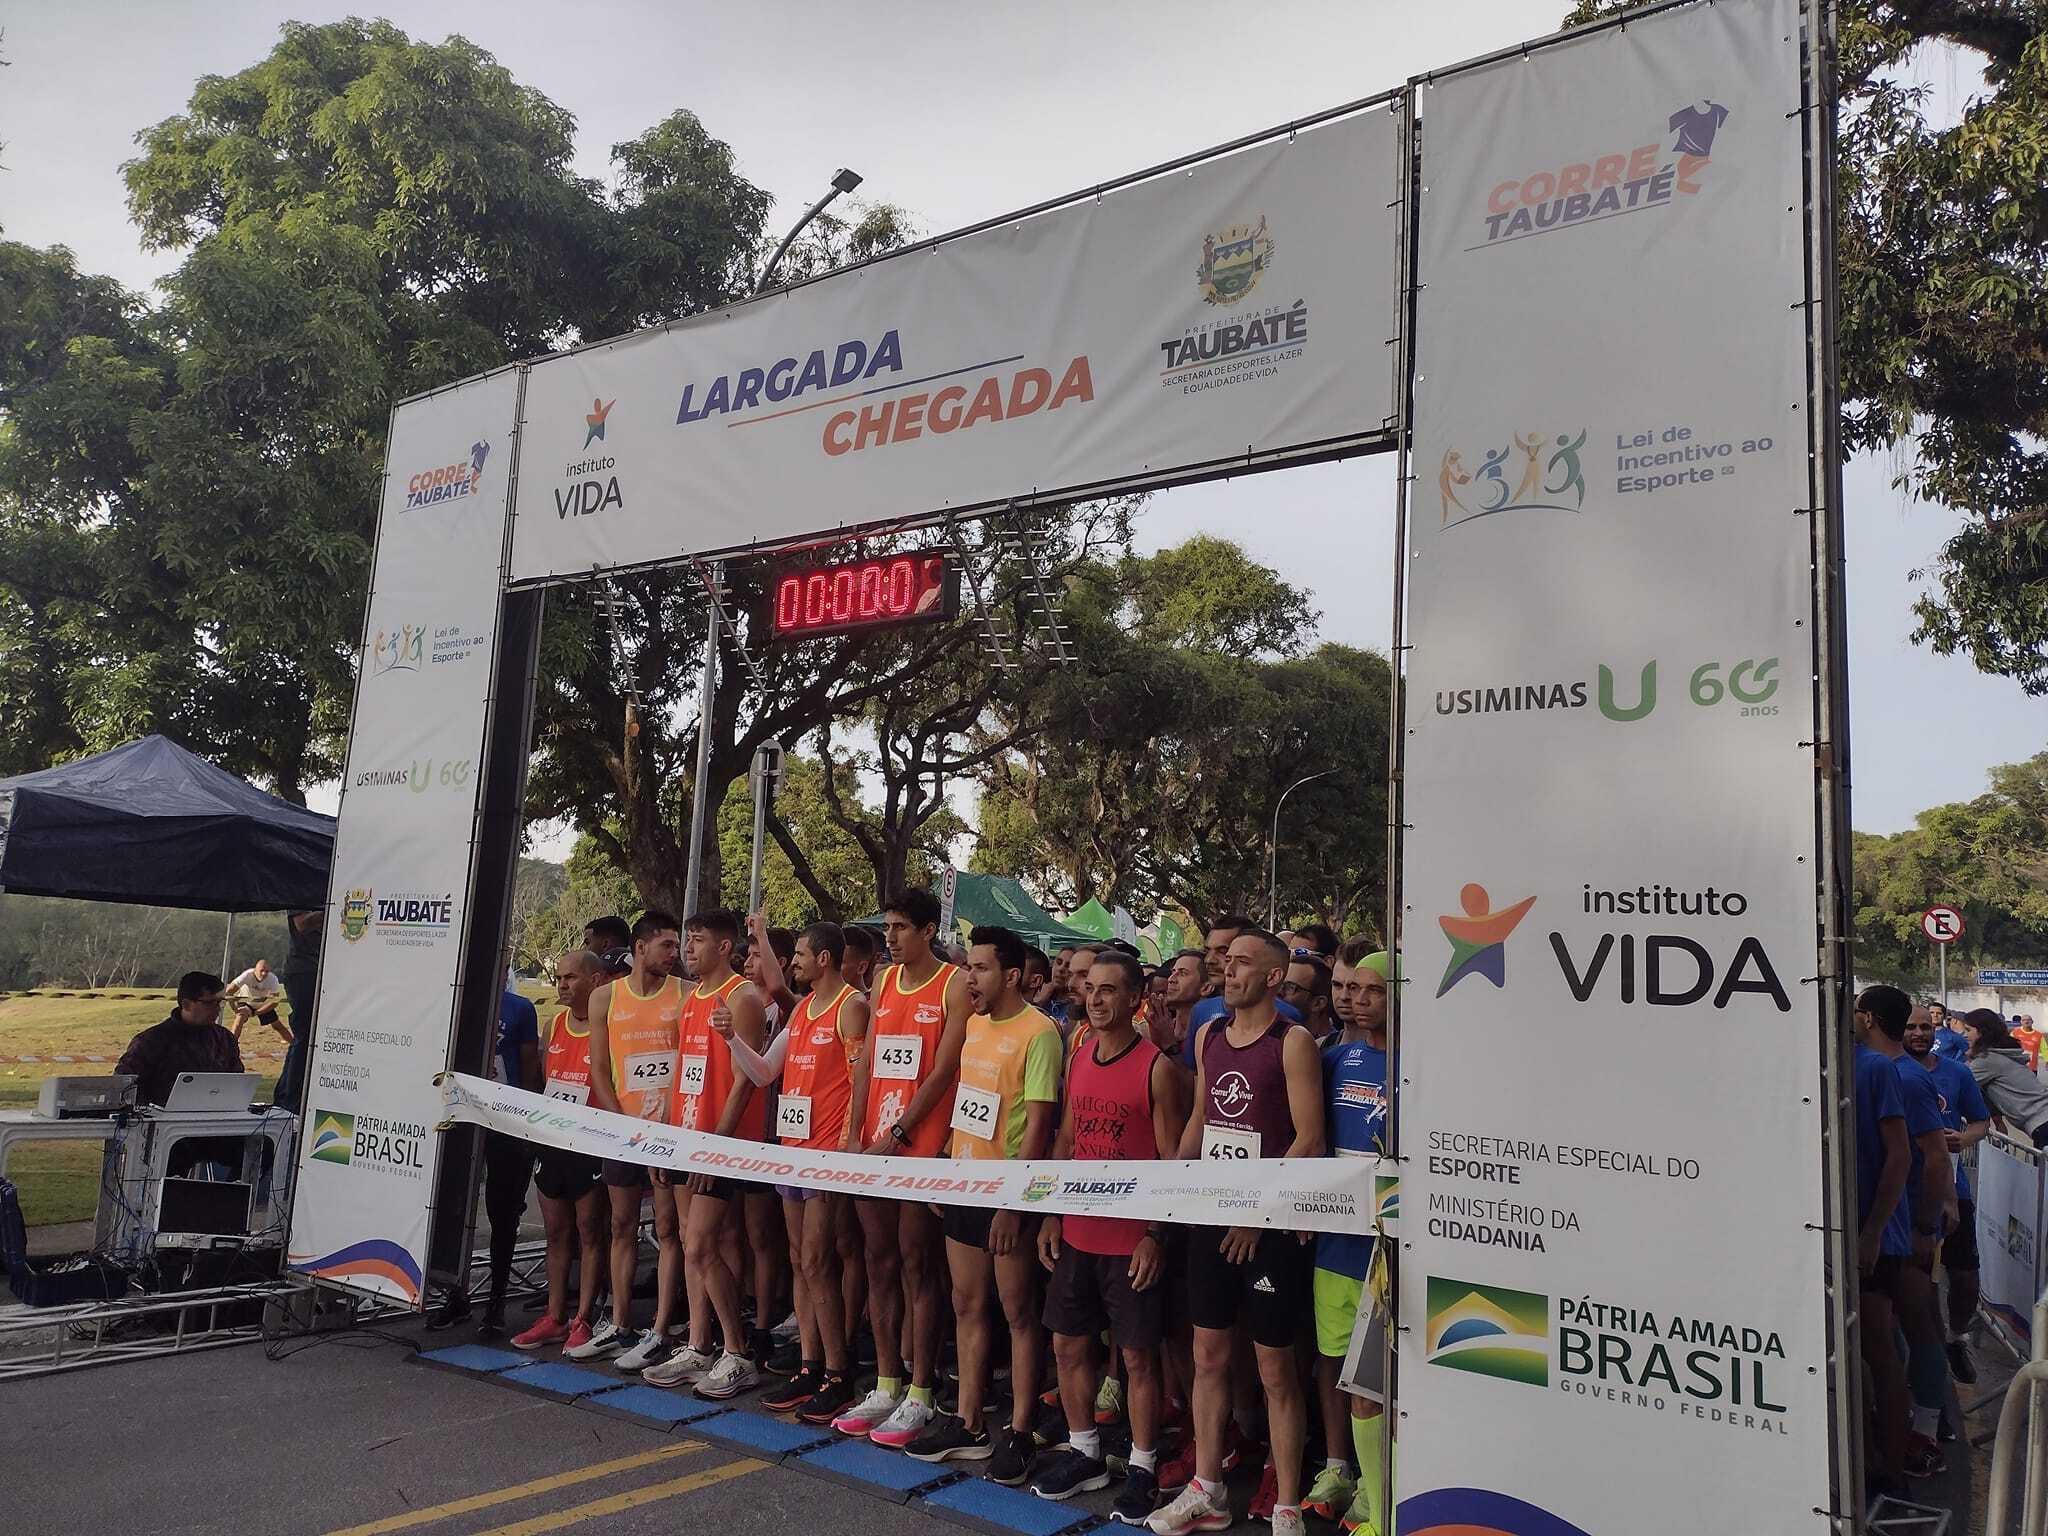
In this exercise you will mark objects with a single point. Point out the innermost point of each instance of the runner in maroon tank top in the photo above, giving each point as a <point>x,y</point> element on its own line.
<point>1124,1100</point>
<point>1260,1094</point>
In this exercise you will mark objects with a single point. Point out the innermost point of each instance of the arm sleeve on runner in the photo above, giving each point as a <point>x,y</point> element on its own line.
<point>761,1070</point>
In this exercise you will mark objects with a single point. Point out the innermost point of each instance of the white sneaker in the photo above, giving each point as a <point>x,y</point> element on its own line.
<point>651,1349</point>
<point>910,1420</point>
<point>1288,1522</point>
<point>785,1330</point>
<point>732,1375</point>
<point>867,1415</point>
<point>1194,1510</point>
<point>679,1369</point>
<point>609,1339</point>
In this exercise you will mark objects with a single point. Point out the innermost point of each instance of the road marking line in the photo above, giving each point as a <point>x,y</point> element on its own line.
<point>498,1496</point>
<point>632,1499</point>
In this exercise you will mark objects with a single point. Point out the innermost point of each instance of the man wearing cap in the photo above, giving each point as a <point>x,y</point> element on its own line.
<point>1356,1095</point>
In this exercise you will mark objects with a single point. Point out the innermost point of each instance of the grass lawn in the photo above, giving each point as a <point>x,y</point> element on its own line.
<point>60,1181</point>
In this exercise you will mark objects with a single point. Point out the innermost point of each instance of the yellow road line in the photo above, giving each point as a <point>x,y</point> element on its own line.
<point>497,1496</point>
<point>633,1498</point>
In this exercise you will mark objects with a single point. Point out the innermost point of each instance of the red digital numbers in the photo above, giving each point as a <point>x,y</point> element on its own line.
<point>896,589</point>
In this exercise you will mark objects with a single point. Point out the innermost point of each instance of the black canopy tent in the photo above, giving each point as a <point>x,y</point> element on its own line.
<point>153,824</point>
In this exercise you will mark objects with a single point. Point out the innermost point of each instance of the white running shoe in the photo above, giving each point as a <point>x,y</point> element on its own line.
<point>867,1415</point>
<point>651,1349</point>
<point>732,1375</point>
<point>679,1369</point>
<point>1194,1510</point>
<point>1288,1522</point>
<point>610,1339</point>
<point>785,1330</point>
<point>910,1420</point>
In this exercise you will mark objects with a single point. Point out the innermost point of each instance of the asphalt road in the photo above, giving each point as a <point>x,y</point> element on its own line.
<point>348,1437</point>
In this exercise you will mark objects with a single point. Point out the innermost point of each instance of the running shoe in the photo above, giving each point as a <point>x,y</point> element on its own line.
<point>1331,1493</point>
<point>1960,1362</point>
<point>1924,1458</point>
<point>1015,1449</point>
<point>1288,1522</point>
<point>868,1415</point>
<point>829,1401</point>
<point>732,1375</point>
<point>792,1394</point>
<point>1193,1510</point>
<point>1268,1495</point>
<point>1235,1444</point>
<point>1065,1473</point>
<point>783,1359</point>
<point>680,1369</point>
<point>652,1349</point>
<point>1140,1496</point>
<point>610,1339</point>
<point>1109,1401</point>
<point>1178,1470</point>
<point>948,1439</point>
<point>579,1335</point>
<point>1358,1520</point>
<point>785,1330</point>
<point>905,1426</point>
<point>545,1331</point>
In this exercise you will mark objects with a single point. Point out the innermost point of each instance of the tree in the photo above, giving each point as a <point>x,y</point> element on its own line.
<point>1943,290</point>
<point>813,868</point>
<point>1988,857</point>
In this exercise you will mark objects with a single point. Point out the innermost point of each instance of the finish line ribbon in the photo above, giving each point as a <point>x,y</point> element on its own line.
<point>1301,1194</point>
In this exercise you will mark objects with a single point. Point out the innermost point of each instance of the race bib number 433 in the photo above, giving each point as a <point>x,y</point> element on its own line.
<point>899,1056</point>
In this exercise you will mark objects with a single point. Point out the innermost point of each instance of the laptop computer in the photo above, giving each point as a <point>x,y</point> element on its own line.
<point>219,1093</point>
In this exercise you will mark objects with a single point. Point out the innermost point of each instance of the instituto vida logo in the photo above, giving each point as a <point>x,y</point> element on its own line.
<point>588,485</point>
<point>1624,962</point>
<point>1623,179</point>
<point>1234,347</point>
<point>1710,1369</point>
<point>447,482</point>
<point>882,400</point>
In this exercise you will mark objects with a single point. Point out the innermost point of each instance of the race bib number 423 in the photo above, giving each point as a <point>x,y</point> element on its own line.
<point>650,1069</point>
<point>899,1056</point>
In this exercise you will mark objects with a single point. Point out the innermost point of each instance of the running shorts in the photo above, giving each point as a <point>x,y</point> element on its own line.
<point>1267,1293</point>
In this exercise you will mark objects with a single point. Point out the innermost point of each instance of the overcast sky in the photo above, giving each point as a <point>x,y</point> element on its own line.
<point>956,113</point>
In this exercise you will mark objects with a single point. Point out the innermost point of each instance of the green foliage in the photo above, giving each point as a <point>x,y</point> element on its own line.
<point>49,942</point>
<point>838,881</point>
<point>1943,295</point>
<point>1988,857</point>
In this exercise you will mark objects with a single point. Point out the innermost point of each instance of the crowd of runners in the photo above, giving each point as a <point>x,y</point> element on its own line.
<point>1058,1354</point>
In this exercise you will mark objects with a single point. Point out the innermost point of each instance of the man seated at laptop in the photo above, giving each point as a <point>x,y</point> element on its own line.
<point>190,1040</point>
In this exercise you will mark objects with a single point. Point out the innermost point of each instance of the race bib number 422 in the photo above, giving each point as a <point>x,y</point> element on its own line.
<point>974,1112</point>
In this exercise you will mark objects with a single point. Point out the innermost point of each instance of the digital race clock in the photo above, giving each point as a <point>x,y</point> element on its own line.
<point>865,594</point>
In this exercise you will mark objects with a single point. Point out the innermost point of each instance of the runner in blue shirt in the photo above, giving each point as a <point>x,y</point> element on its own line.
<point>1884,1243</point>
<point>1967,1119</point>
<point>1355,1102</point>
<point>1950,1044</point>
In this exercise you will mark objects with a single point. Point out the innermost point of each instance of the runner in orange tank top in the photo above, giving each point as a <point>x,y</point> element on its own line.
<point>632,1064</point>
<point>572,1202</point>
<point>902,1098</point>
<point>815,1059</point>
<point>712,1096</point>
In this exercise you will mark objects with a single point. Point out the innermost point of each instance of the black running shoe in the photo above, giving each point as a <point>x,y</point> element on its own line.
<point>1960,1362</point>
<point>834,1396</point>
<point>793,1393</point>
<point>1140,1496</point>
<point>1066,1472</point>
<point>947,1438</point>
<point>783,1360</point>
<point>1011,1463</point>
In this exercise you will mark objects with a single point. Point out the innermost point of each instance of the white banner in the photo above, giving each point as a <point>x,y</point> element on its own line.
<point>1231,314</point>
<point>2013,1270</point>
<point>402,847</point>
<point>1610,1032</point>
<point>1303,1194</point>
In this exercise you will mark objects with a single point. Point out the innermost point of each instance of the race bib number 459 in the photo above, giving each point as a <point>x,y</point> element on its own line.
<point>1228,1144</point>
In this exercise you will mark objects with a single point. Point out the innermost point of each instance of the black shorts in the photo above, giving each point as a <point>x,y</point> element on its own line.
<point>619,1175</point>
<point>721,1189</point>
<point>267,1016</point>
<point>1092,1291</point>
<point>566,1175</point>
<point>1959,1248</point>
<point>1886,1277</point>
<point>968,1224</point>
<point>1269,1292</point>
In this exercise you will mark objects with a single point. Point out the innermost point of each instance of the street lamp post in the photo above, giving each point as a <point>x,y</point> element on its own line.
<point>1273,847</point>
<point>843,180</point>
